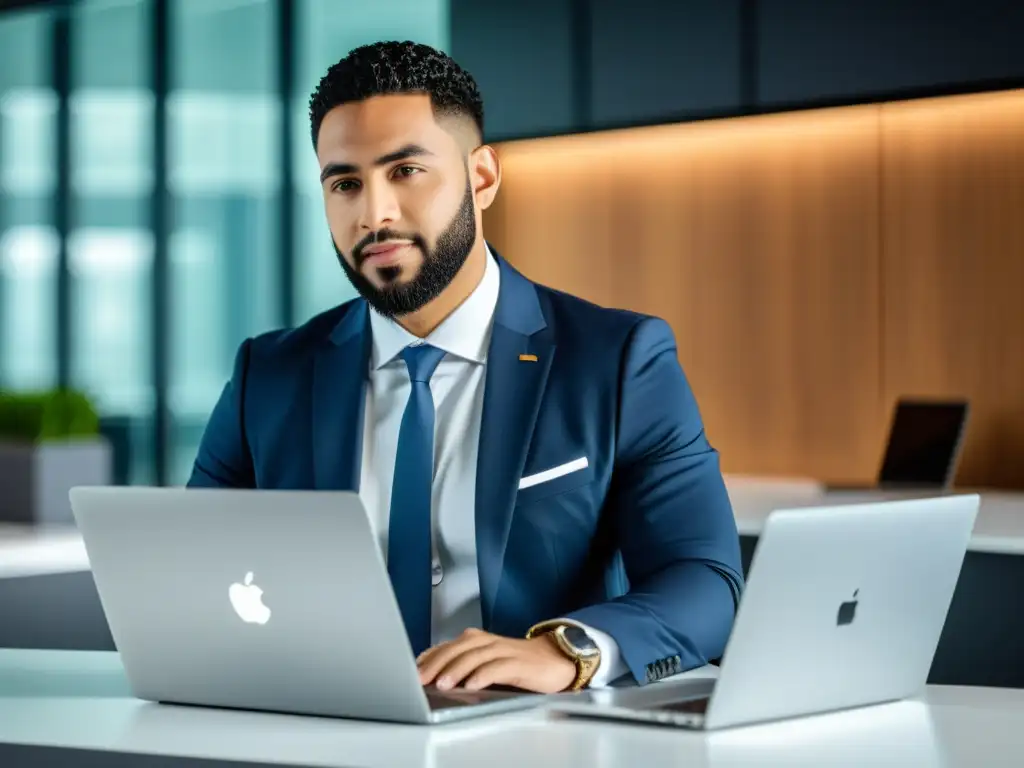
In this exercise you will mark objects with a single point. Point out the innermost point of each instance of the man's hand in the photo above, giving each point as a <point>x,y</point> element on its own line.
<point>478,659</point>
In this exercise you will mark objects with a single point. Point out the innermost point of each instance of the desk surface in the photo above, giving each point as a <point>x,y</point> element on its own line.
<point>27,551</point>
<point>80,700</point>
<point>998,529</point>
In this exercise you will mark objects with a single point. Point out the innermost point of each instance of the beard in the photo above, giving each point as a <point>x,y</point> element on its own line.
<point>437,269</point>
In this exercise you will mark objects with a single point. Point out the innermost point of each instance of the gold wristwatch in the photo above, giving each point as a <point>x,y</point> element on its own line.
<point>576,644</point>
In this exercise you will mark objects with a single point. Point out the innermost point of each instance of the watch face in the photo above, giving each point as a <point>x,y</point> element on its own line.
<point>580,640</point>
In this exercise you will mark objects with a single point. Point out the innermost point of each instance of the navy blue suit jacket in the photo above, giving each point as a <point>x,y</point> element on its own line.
<point>641,544</point>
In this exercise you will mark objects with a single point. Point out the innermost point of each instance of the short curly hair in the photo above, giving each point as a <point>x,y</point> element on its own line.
<point>397,67</point>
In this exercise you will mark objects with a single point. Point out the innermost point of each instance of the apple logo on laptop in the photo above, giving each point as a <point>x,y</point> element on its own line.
<point>847,611</point>
<point>247,600</point>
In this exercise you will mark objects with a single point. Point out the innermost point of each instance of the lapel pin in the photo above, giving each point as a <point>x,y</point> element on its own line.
<point>528,358</point>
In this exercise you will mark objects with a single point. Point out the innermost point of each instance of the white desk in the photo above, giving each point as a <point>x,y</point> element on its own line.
<point>38,550</point>
<point>999,528</point>
<point>79,700</point>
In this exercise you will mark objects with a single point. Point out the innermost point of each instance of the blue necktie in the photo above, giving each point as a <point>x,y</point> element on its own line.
<point>409,529</point>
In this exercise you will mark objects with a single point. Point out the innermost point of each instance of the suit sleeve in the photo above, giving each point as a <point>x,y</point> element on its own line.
<point>673,519</point>
<point>223,460</point>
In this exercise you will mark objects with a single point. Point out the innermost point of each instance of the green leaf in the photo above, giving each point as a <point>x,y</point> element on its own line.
<point>47,416</point>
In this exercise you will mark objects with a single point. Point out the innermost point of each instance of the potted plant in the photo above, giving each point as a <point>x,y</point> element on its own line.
<point>49,442</point>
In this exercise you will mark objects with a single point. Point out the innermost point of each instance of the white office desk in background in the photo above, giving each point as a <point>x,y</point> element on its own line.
<point>26,551</point>
<point>79,701</point>
<point>999,528</point>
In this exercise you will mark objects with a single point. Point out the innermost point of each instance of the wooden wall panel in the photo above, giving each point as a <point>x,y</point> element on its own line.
<point>815,267</point>
<point>953,277</point>
<point>783,330</point>
<point>757,239</point>
<point>552,218</point>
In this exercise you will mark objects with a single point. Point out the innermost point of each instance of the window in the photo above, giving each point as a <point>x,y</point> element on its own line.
<point>110,245</point>
<point>224,176</point>
<point>224,181</point>
<point>28,242</point>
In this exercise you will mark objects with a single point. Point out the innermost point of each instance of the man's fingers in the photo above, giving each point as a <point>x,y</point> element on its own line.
<point>502,671</point>
<point>465,664</point>
<point>435,659</point>
<point>425,657</point>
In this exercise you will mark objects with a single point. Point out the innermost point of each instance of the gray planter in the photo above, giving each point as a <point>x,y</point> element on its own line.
<point>35,478</point>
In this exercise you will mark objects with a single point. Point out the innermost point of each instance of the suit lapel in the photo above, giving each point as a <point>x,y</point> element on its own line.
<point>339,394</point>
<point>512,395</point>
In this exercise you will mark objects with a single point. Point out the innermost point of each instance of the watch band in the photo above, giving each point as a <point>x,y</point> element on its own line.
<point>586,664</point>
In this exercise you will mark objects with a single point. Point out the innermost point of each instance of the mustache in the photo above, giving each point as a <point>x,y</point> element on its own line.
<point>383,236</point>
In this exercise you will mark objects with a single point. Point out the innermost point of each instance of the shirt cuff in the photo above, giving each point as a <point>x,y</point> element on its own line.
<point>612,667</point>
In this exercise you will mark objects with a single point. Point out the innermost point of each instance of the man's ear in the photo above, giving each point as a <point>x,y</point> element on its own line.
<point>485,175</point>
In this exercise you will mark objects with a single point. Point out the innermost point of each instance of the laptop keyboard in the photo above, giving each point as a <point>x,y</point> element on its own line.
<point>692,706</point>
<point>463,698</point>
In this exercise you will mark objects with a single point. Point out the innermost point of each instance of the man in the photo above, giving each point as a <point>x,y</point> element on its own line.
<point>550,510</point>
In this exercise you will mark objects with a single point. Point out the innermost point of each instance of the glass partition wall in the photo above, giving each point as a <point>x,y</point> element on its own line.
<point>159,198</point>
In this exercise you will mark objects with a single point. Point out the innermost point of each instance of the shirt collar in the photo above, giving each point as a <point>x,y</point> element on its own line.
<point>465,333</point>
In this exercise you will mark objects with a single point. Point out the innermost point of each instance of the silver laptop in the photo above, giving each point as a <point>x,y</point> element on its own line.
<point>843,608</point>
<point>267,600</point>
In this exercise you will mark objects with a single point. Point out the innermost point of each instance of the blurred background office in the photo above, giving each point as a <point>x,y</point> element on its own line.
<point>824,200</point>
<point>860,241</point>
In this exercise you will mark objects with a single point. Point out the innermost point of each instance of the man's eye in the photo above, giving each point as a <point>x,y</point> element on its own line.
<point>346,185</point>
<point>407,170</point>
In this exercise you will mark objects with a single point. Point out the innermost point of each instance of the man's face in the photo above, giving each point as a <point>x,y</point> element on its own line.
<point>399,200</point>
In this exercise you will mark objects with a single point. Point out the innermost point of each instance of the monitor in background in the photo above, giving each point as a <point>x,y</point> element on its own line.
<point>923,448</point>
<point>924,444</point>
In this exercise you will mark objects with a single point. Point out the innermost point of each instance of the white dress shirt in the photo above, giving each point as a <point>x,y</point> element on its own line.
<point>457,387</point>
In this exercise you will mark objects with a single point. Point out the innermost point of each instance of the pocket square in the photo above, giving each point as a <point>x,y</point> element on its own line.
<point>555,472</point>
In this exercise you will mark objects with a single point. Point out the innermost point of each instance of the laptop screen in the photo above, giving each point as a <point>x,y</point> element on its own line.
<point>923,443</point>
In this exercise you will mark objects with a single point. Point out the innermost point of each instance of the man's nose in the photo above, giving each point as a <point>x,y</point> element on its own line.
<point>380,207</point>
